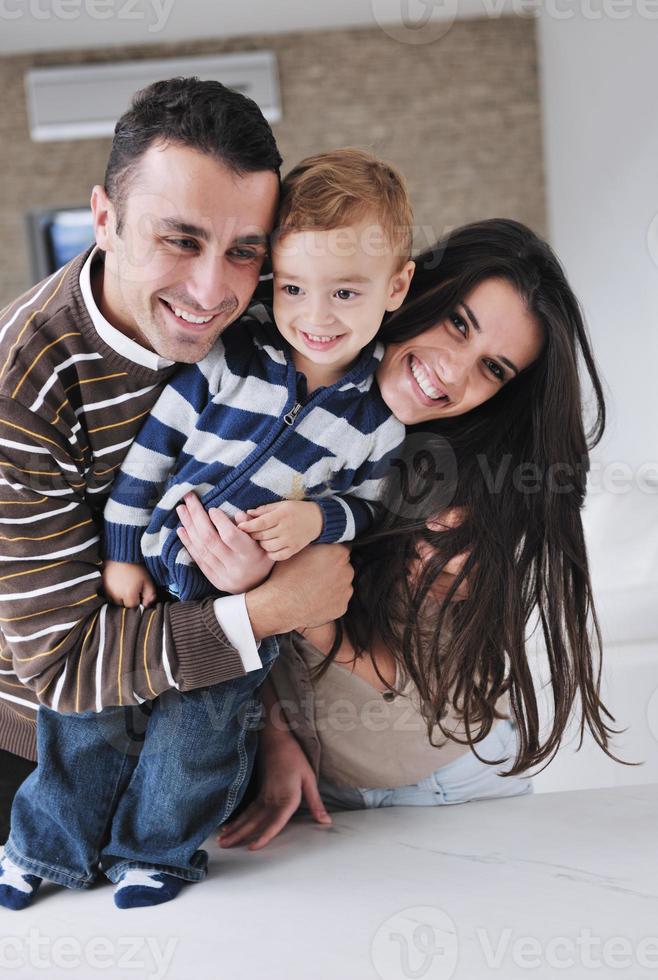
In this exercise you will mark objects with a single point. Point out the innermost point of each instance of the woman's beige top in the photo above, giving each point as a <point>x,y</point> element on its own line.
<point>369,738</point>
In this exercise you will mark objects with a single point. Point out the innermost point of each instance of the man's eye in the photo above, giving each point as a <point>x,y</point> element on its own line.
<point>459,322</point>
<point>496,370</point>
<point>244,253</point>
<point>185,244</point>
<point>291,290</point>
<point>345,293</point>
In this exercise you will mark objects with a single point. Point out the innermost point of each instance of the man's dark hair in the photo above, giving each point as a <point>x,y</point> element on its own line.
<point>205,116</point>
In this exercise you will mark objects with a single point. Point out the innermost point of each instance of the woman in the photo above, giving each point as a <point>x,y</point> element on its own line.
<point>483,358</point>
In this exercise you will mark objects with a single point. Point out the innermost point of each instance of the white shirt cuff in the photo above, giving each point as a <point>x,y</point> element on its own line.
<point>232,616</point>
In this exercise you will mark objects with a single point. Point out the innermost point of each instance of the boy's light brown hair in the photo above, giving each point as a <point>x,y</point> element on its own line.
<point>342,188</point>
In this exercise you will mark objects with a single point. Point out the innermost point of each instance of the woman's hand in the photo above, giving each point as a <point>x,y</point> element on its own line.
<point>444,581</point>
<point>286,776</point>
<point>229,558</point>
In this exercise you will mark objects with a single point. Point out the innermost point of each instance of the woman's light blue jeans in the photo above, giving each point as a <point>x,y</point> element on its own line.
<point>460,781</point>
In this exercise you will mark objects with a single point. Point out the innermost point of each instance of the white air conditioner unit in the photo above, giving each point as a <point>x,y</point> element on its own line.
<point>85,101</point>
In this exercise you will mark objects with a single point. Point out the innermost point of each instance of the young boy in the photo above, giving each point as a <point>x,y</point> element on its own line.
<point>281,427</point>
<point>284,423</point>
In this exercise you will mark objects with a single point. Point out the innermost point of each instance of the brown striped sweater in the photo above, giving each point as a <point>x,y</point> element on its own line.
<point>70,406</point>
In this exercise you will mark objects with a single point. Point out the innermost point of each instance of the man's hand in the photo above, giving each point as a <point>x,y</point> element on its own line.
<point>308,590</point>
<point>229,558</point>
<point>127,584</point>
<point>284,528</point>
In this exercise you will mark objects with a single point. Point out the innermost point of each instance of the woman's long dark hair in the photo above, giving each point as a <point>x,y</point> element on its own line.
<point>517,466</point>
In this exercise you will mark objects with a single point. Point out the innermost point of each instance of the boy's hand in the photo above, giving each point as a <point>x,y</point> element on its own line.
<point>285,528</point>
<point>128,585</point>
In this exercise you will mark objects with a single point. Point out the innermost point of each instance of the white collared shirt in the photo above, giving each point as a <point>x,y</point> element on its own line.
<point>118,341</point>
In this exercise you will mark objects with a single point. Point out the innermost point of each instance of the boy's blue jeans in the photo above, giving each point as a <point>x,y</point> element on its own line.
<point>138,787</point>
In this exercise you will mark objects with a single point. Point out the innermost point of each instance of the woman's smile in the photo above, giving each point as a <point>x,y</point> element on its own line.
<point>426,381</point>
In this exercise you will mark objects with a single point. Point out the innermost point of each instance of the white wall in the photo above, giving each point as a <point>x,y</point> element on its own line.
<point>598,79</point>
<point>601,149</point>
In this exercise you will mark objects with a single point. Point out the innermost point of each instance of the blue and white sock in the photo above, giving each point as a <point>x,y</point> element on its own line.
<point>140,887</point>
<point>17,887</point>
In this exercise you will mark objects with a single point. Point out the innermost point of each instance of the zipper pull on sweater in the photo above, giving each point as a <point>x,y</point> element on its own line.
<point>289,417</point>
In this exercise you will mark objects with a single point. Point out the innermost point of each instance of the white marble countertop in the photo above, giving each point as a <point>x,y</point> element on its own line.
<point>560,884</point>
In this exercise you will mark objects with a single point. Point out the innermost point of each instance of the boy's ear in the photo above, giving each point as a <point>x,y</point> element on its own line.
<point>399,286</point>
<point>103,214</point>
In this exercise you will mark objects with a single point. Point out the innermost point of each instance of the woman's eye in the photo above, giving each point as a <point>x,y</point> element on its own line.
<point>345,293</point>
<point>459,322</point>
<point>496,370</point>
<point>291,290</point>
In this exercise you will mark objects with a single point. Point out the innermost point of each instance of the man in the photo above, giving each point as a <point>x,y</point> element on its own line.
<point>182,223</point>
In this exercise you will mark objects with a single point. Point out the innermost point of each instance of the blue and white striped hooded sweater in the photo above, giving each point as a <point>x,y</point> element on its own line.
<point>238,430</point>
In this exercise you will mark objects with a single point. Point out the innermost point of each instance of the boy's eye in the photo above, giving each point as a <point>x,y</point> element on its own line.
<point>496,370</point>
<point>345,293</point>
<point>291,290</point>
<point>460,323</point>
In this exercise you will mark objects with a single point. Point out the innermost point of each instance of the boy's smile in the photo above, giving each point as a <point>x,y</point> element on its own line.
<point>331,291</point>
<point>317,342</point>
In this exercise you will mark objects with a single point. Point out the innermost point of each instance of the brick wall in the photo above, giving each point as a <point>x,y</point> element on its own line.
<point>460,117</point>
